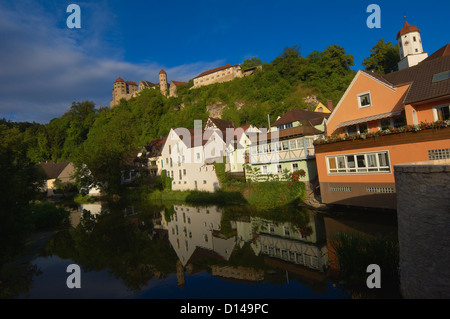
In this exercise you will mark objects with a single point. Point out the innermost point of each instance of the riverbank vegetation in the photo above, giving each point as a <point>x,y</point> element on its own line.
<point>355,252</point>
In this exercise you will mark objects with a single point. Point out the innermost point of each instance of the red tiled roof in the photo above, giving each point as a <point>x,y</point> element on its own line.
<point>53,170</point>
<point>149,84</point>
<point>119,79</point>
<point>421,78</point>
<point>162,71</point>
<point>222,124</point>
<point>444,51</point>
<point>214,70</point>
<point>377,76</point>
<point>177,83</point>
<point>131,83</point>
<point>300,115</point>
<point>407,28</point>
<point>155,147</point>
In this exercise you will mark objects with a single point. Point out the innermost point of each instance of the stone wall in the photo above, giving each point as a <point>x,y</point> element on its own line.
<point>423,208</point>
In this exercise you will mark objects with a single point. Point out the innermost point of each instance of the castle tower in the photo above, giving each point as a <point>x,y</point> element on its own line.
<point>410,46</point>
<point>163,82</point>
<point>119,91</point>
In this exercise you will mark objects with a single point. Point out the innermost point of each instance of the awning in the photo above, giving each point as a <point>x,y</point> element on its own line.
<point>369,118</point>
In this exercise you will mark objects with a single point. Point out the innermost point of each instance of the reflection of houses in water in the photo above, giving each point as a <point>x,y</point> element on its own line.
<point>305,246</point>
<point>193,228</point>
<point>240,273</point>
<point>130,211</point>
<point>93,208</point>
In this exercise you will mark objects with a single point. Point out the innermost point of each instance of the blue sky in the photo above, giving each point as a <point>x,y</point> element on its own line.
<point>45,66</point>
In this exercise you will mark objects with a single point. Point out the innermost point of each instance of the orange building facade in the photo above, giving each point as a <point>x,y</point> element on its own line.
<point>381,121</point>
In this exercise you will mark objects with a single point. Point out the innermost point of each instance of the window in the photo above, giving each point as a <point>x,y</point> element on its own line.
<point>441,113</point>
<point>364,100</point>
<point>379,190</point>
<point>294,167</point>
<point>264,170</point>
<point>271,228</point>
<point>357,129</point>
<point>279,169</point>
<point>385,124</point>
<point>359,163</point>
<point>293,144</point>
<point>399,121</point>
<point>439,154</point>
<point>284,126</point>
<point>352,130</point>
<point>363,127</point>
<point>184,172</point>
<point>286,231</point>
<point>285,145</point>
<point>340,188</point>
<point>395,122</point>
<point>441,76</point>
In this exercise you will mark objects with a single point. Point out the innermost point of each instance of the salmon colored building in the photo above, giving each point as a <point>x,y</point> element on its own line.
<point>381,121</point>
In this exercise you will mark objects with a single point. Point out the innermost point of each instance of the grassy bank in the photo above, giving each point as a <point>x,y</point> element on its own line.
<point>263,195</point>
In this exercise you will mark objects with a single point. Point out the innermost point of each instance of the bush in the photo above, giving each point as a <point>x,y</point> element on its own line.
<point>275,194</point>
<point>47,216</point>
<point>166,180</point>
<point>356,252</point>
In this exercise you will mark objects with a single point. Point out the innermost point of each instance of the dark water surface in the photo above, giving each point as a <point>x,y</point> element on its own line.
<point>180,251</point>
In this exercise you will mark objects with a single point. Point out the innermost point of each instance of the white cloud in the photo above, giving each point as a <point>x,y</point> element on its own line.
<point>44,68</point>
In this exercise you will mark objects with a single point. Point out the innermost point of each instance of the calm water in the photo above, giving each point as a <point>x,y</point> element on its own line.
<point>178,251</point>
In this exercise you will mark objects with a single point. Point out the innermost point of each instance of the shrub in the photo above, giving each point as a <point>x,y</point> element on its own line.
<point>47,216</point>
<point>356,252</point>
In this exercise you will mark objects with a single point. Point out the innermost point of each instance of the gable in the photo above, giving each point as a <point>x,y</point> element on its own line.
<point>383,99</point>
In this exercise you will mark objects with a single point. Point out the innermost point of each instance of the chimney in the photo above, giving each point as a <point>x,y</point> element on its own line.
<point>330,105</point>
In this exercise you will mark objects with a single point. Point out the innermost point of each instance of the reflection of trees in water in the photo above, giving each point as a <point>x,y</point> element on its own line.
<point>17,279</point>
<point>123,245</point>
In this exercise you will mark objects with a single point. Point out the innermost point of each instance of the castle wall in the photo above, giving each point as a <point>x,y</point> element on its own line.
<point>218,77</point>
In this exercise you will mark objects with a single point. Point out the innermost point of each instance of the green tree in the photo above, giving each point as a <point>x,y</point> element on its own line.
<point>249,63</point>
<point>21,180</point>
<point>109,146</point>
<point>383,58</point>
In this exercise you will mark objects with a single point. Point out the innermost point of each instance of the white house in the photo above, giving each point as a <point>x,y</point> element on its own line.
<point>188,157</point>
<point>192,228</point>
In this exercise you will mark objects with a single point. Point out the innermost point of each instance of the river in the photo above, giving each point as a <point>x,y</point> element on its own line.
<point>182,251</point>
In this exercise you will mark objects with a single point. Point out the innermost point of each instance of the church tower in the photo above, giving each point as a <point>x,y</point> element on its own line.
<point>410,46</point>
<point>163,82</point>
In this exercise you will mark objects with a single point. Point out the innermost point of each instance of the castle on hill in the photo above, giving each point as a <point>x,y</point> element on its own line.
<point>127,89</point>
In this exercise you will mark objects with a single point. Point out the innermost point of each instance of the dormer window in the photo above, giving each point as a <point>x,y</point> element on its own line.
<point>364,100</point>
<point>284,126</point>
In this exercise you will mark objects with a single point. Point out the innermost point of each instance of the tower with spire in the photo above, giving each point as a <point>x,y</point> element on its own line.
<point>410,46</point>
